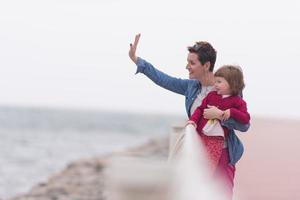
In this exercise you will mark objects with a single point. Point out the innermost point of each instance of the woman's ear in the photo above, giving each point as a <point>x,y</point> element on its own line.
<point>207,65</point>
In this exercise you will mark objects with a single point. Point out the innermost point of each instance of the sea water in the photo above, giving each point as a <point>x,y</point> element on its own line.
<point>37,142</point>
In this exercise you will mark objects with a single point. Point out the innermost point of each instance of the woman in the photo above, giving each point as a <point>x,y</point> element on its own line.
<point>201,60</point>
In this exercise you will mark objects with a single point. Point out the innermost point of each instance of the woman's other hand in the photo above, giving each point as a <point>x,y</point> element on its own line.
<point>212,112</point>
<point>133,47</point>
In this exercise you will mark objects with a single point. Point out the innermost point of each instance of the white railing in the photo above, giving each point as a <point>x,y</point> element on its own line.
<point>184,177</point>
<point>193,180</point>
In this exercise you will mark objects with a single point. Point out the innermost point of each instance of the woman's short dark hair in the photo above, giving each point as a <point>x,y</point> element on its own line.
<point>234,76</point>
<point>205,52</point>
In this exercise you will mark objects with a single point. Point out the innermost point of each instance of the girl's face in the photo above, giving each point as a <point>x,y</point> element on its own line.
<point>195,68</point>
<point>222,86</point>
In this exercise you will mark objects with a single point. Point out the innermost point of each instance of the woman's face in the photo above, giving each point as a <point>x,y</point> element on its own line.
<point>194,66</point>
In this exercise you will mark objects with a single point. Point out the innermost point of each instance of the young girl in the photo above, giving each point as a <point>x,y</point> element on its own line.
<point>228,86</point>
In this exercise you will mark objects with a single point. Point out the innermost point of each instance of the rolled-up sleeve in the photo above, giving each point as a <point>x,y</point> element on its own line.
<point>141,64</point>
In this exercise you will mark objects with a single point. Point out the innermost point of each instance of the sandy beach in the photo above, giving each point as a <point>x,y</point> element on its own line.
<point>269,168</point>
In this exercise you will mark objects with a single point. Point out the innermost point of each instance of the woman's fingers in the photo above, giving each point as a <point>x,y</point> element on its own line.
<point>136,40</point>
<point>212,113</point>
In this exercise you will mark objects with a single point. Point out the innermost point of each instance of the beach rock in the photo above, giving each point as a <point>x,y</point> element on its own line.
<point>84,179</point>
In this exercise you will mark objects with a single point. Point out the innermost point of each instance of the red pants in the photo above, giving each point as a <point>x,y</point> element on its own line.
<point>214,147</point>
<point>219,163</point>
<point>225,173</point>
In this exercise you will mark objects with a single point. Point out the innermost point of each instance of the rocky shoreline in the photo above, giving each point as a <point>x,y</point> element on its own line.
<point>84,179</point>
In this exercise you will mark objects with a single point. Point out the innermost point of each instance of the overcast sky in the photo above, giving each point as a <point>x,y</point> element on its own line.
<point>75,53</point>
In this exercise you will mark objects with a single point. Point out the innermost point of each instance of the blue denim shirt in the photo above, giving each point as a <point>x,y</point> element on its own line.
<point>190,89</point>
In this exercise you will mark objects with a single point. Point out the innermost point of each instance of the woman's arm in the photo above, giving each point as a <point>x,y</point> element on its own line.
<point>160,78</point>
<point>213,112</point>
<point>233,124</point>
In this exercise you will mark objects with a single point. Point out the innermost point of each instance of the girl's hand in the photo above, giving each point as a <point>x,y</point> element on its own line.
<point>191,122</point>
<point>133,47</point>
<point>212,112</point>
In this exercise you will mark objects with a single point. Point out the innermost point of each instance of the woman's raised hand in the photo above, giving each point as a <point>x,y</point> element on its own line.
<point>133,47</point>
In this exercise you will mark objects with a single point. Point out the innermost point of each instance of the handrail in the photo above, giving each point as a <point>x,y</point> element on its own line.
<point>194,180</point>
<point>185,177</point>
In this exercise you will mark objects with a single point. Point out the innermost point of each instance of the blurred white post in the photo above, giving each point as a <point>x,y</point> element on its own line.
<point>130,178</point>
<point>176,139</point>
